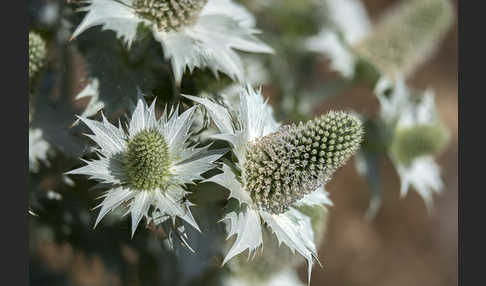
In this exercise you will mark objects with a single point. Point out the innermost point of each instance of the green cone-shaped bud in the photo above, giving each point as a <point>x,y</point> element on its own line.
<point>169,15</point>
<point>37,54</point>
<point>147,161</point>
<point>406,36</point>
<point>282,167</point>
<point>420,140</point>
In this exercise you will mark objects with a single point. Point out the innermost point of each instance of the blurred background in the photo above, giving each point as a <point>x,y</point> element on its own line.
<point>402,245</point>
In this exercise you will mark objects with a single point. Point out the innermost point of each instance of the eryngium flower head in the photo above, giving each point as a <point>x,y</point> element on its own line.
<point>406,36</point>
<point>282,167</point>
<point>278,170</point>
<point>193,33</point>
<point>420,140</point>
<point>170,15</point>
<point>37,54</point>
<point>147,166</point>
<point>408,114</point>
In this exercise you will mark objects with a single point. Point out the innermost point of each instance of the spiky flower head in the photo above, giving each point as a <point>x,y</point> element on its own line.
<point>406,36</point>
<point>169,15</point>
<point>284,166</point>
<point>278,170</point>
<point>37,54</point>
<point>146,162</point>
<point>193,33</point>
<point>420,140</point>
<point>147,166</point>
<point>418,136</point>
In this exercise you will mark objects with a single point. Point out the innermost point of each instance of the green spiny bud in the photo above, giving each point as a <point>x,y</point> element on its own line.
<point>169,15</point>
<point>282,167</point>
<point>147,161</point>
<point>420,140</point>
<point>37,54</point>
<point>406,36</point>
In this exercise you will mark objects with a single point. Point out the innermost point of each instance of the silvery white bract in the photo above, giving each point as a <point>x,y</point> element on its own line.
<point>207,40</point>
<point>350,23</point>
<point>286,277</point>
<point>187,163</point>
<point>254,120</point>
<point>38,149</point>
<point>399,110</point>
<point>94,105</point>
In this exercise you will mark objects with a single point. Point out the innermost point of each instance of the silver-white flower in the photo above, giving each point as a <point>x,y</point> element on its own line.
<point>251,122</point>
<point>402,110</point>
<point>193,33</point>
<point>148,165</point>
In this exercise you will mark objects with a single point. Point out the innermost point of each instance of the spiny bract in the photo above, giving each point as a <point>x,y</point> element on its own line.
<point>170,15</point>
<point>284,166</point>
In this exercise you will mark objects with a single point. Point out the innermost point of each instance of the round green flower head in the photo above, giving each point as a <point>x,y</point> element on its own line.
<point>284,166</point>
<point>169,15</point>
<point>420,140</point>
<point>37,54</point>
<point>147,161</point>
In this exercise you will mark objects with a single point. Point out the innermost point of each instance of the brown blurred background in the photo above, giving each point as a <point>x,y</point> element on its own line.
<point>403,245</point>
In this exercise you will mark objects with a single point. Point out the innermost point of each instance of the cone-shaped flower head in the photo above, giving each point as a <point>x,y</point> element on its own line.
<point>278,170</point>
<point>148,166</point>
<point>406,36</point>
<point>147,161</point>
<point>284,166</point>
<point>193,33</point>
<point>37,54</point>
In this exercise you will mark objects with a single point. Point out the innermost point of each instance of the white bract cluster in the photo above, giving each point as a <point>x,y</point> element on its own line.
<point>148,165</point>
<point>349,24</point>
<point>401,111</point>
<point>193,33</point>
<point>246,131</point>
